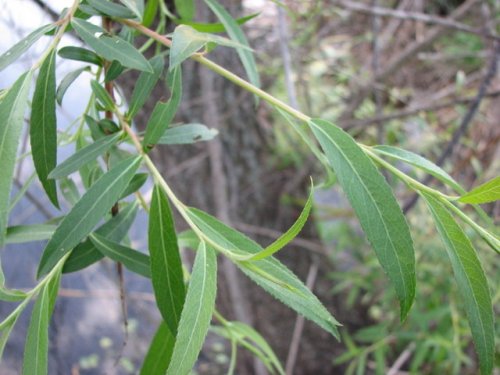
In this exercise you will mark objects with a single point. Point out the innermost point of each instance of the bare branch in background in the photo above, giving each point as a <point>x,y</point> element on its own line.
<point>413,111</point>
<point>414,16</point>
<point>460,131</point>
<point>393,65</point>
<point>284,37</point>
<point>45,7</point>
<point>299,322</point>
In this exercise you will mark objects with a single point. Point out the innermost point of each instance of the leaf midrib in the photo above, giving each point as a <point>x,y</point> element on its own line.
<point>98,200</point>
<point>375,203</point>
<point>198,311</point>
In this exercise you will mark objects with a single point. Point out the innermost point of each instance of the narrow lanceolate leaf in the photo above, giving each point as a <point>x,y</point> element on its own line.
<point>87,212</point>
<point>9,295</point>
<point>163,113</point>
<point>269,273</point>
<point>12,109</point>
<point>84,156</point>
<point>29,233</point>
<point>166,265</point>
<point>37,340</point>
<point>110,47</point>
<point>289,235</point>
<point>4,335</point>
<point>214,27</point>
<point>281,283</point>
<point>85,253</point>
<point>150,11</point>
<point>249,337</point>
<point>43,126</point>
<point>471,281</point>
<point>67,81</point>
<point>236,34</point>
<point>114,71</point>
<point>487,192</point>
<point>144,86</point>
<point>375,206</point>
<point>11,55</point>
<point>185,8</point>
<point>80,54</point>
<point>135,184</point>
<point>187,134</point>
<point>186,41</point>
<point>197,312</point>
<point>134,260</point>
<point>419,162</point>
<point>136,6</point>
<point>111,9</point>
<point>160,352</point>
<point>102,96</point>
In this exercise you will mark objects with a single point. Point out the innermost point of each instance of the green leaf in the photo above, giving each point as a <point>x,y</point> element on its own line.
<point>111,9</point>
<point>67,81</point>
<point>375,206</point>
<point>21,192</point>
<point>185,8</point>
<point>197,312</point>
<point>37,340</point>
<point>419,162</point>
<point>163,113</point>
<point>144,86</point>
<point>4,335</point>
<point>160,352</point>
<point>84,156</point>
<point>289,235</point>
<point>86,170</point>
<point>281,283</point>
<point>213,27</point>
<point>221,236</point>
<point>471,281</point>
<point>43,126</point>
<point>236,34</point>
<point>12,109</point>
<point>110,47</point>
<point>134,260</point>
<point>8,295</point>
<point>150,12</point>
<point>243,333</point>
<point>12,54</point>
<point>187,134</point>
<point>29,233</point>
<point>102,96</point>
<point>69,190</point>
<point>136,6</point>
<point>114,229</point>
<point>487,192</point>
<point>269,273</point>
<point>166,265</point>
<point>301,131</point>
<point>114,71</point>
<point>186,41</point>
<point>87,212</point>
<point>95,130</point>
<point>80,54</point>
<point>135,184</point>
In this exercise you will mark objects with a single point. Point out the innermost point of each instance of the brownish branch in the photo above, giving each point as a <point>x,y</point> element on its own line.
<point>415,16</point>
<point>394,64</point>
<point>466,121</point>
